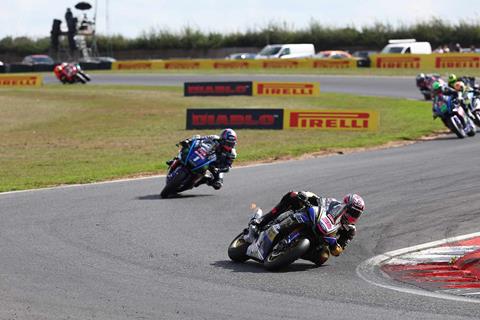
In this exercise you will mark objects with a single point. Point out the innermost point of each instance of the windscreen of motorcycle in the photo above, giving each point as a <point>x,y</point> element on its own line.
<point>328,219</point>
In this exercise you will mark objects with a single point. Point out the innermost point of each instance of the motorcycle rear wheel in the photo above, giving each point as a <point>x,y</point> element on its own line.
<point>279,259</point>
<point>172,186</point>
<point>237,250</point>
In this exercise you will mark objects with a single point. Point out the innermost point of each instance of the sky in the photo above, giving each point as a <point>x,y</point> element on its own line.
<point>130,18</point>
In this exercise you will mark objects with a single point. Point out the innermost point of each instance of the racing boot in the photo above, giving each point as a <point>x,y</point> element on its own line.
<point>215,183</point>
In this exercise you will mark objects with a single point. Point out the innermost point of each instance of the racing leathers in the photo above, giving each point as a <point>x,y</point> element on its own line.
<point>224,160</point>
<point>297,200</point>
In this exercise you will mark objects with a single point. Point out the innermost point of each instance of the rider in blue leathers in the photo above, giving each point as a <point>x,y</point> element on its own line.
<point>225,151</point>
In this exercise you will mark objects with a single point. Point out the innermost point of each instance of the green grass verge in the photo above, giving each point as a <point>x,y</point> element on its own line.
<point>77,134</point>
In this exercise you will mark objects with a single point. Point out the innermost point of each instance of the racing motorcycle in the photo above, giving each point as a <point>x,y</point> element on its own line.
<point>424,84</point>
<point>449,110</point>
<point>190,167</point>
<point>71,73</point>
<point>279,244</point>
<point>472,105</point>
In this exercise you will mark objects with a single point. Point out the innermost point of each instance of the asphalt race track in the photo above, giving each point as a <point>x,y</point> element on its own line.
<point>362,85</point>
<point>117,251</point>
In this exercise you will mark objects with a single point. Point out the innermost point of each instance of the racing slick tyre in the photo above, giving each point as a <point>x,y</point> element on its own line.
<point>456,126</point>
<point>476,118</point>
<point>237,250</point>
<point>282,257</point>
<point>172,186</point>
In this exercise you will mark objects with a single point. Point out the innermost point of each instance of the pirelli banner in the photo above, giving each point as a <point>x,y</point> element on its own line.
<point>426,61</point>
<point>339,120</point>
<point>399,61</point>
<point>281,89</point>
<point>245,118</point>
<point>209,64</point>
<point>30,80</point>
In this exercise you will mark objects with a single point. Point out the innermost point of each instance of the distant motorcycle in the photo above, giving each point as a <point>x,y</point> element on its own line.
<point>275,249</point>
<point>70,73</point>
<point>424,84</point>
<point>189,167</point>
<point>449,110</point>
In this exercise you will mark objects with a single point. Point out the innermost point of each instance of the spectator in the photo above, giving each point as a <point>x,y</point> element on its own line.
<point>446,49</point>
<point>473,49</point>
<point>439,50</point>
<point>457,48</point>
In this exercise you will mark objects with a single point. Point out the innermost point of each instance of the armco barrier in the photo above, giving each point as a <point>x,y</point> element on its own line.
<point>43,67</point>
<point>19,68</point>
<point>31,80</point>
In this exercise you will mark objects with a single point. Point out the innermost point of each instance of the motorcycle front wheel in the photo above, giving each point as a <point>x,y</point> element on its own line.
<point>456,126</point>
<point>237,250</point>
<point>280,258</point>
<point>172,186</point>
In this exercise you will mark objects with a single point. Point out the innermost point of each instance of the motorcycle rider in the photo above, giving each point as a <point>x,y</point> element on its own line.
<point>345,213</point>
<point>225,151</point>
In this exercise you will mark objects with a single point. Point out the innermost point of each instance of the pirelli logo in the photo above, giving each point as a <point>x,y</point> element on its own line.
<point>182,65</point>
<point>231,65</point>
<point>398,62</point>
<point>331,120</point>
<point>294,89</point>
<point>457,62</point>
<point>21,81</point>
<point>280,64</point>
<point>331,64</point>
<point>134,65</point>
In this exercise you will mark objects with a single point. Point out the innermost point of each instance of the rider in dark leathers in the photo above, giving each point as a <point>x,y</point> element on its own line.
<point>347,212</point>
<point>225,151</point>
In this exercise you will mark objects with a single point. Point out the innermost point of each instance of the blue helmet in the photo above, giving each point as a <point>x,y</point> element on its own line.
<point>228,138</point>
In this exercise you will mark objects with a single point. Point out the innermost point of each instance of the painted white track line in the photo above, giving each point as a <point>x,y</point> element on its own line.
<point>370,272</point>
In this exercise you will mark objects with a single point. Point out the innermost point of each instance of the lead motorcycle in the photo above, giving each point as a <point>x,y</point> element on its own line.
<point>453,115</point>
<point>279,244</point>
<point>189,167</point>
<point>70,73</point>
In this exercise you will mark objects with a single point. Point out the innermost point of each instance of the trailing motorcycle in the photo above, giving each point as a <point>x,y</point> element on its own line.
<point>424,84</point>
<point>292,235</point>
<point>472,105</point>
<point>70,73</point>
<point>449,110</point>
<point>190,167</point>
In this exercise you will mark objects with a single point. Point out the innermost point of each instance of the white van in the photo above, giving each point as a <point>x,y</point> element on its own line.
<point>287,51</point>
<point>407,46</point>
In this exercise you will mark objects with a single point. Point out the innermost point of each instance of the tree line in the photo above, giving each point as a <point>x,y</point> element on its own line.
<point>373,37</point>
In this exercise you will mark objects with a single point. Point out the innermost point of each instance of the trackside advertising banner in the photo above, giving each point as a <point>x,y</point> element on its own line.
<point>398,61</point>
<point>293,89</point>
<point>235,118</point>
<point>20,80</point>
<point>426,61</point>
<point>236,88</point>
<point>339,120</point>
<point>217,64</point>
